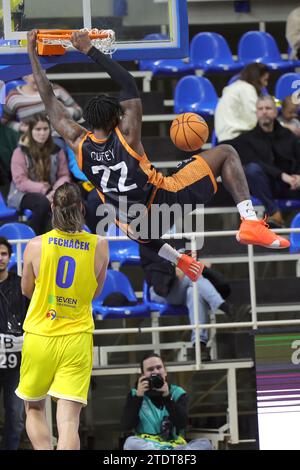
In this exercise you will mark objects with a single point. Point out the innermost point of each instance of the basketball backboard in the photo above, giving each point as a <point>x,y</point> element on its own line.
<point>131,20</point>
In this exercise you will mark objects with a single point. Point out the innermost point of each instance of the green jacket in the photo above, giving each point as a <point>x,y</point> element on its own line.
<point>151,417</point>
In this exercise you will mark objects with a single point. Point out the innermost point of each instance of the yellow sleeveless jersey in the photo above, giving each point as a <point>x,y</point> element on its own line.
<point>65,285</point>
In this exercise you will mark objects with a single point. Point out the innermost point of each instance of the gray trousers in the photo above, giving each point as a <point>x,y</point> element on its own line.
<point>181,293</point>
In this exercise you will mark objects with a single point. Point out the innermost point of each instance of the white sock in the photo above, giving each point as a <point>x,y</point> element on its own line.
<point>246,210</point>
<point>169,253</point>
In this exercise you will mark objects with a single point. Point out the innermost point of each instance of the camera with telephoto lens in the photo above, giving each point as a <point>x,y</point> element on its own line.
<point>155,381</point>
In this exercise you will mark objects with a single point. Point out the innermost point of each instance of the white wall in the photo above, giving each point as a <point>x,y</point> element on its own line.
<point>155,12</point>
<point>65,8</point>
<point>206,12</point>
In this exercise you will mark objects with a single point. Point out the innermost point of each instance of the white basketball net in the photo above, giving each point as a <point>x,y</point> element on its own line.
<point>106,45</point>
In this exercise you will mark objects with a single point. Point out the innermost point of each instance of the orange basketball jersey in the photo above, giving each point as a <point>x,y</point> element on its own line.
<point>116,170</point>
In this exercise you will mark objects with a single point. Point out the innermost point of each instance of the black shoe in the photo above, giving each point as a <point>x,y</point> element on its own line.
<point>273,224</point>
<point>242,313</point>
<point>238,313</point>
<point>205,355</point>
<point>228,310</point>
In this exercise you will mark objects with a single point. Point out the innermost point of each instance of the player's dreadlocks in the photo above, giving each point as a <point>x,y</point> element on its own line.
<point>103,112</point>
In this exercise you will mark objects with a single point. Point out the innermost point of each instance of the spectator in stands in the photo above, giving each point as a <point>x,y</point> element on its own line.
<point>13,306</point>
<point>292,32</point>
<point>271,158</point>
<point>24,101</point>
<point>236,109</point>
<point>289,115</point>
<point>156,412</point>
<point>8,142</point>
<point>169,285</point>
<point>38,168</point>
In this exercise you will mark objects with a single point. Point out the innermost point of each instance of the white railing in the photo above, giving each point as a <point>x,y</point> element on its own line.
<point>249,258</point>
<point>232,411</point>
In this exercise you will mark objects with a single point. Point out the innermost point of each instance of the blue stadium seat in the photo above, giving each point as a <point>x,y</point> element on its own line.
<point>6,213</point>
<point>286,85</point>
<point>123,251</point>
<point>9,213</point>
<point>164,66</point>
<point>196,95</point>
<point>258,46</point>
<point>283,204</point>
<point>16,231</point>
<point>211,53</point>
<point>13,84</point>
<point>163,309</point>
<point>295,237</point>
<point>214,139</point>
<point>117,282</point>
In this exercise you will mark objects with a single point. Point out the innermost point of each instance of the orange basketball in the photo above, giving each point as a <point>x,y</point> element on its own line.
<point>189,132</point>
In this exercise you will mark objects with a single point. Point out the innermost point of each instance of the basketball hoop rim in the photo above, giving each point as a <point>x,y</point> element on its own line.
<point>66,33</point>
<point>56,41</point>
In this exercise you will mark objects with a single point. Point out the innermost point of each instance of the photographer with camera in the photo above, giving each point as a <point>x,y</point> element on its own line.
<point>157,412</point>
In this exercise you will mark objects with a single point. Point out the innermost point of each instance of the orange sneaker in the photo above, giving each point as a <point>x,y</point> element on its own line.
<point>191,268</point>
<point>257,232</point>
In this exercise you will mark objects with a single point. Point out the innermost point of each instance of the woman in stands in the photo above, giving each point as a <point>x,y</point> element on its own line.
<point>236,109</point>
<point>38,168</point>
<point>24,101</point>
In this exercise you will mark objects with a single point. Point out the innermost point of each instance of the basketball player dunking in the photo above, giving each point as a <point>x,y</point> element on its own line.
<point>123,168</point>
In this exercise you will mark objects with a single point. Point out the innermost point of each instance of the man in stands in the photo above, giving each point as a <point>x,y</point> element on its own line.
<point>270,154</point>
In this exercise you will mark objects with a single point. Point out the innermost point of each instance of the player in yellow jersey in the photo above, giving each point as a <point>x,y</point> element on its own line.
<point>113,158</point>
<point>64,269</point>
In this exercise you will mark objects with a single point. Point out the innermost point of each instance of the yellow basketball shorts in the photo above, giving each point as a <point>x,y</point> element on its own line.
<point>59,366</point>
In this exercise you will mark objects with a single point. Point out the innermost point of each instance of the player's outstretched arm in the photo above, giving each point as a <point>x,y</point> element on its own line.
<point>60,119</point>
<point>131,123</point>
